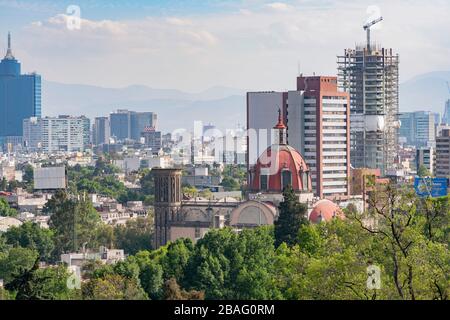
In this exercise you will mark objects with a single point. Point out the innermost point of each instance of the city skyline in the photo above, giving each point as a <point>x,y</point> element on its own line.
<point>236,150</point>
<point>265,43</point>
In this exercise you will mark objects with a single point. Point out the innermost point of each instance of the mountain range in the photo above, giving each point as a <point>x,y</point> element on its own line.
<point>428,91</point>
<point>176,109</point>
<point>223,106</point>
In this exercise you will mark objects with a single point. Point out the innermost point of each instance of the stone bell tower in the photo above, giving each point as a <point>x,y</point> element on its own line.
<point>167,203</point>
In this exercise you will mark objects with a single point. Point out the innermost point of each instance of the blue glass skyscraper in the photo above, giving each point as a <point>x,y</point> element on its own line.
<point>20,96</point>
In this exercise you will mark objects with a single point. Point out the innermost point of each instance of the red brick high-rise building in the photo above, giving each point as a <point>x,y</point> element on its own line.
<point>317,116</point>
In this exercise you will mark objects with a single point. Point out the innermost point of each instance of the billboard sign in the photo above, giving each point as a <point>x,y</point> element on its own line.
<point>431,187</point>
<point>50,178</point>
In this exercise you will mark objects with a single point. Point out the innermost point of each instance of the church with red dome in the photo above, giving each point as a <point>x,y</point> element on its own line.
<point>281,165</point>
<point>278,166</point>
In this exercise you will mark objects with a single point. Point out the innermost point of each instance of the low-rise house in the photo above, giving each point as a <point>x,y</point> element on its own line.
<point>7,222</point>
<point>114,213</point>
<point>106,256</point>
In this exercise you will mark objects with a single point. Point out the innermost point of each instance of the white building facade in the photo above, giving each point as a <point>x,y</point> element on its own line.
<point>57,134</point>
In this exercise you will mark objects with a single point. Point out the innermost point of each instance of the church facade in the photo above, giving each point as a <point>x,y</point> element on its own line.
<point>279,166</point>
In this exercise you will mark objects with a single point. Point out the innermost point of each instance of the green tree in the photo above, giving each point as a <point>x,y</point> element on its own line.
<point>104,236</point>
<point>423,171</point>
<point>310,240</point>
<point>4,247</point>
<point>113,287</point>
<point>230,184</point>
<point>30,235</point>
<point>147,182</point>
<point>28,174</point>
<point>15,261</point>
<point>437,216</point>
<point>32,283</point>
<point>5,295</point>
<point>292,215</point>
<point>6,210</point>
<point>152,279</point>
<point>54,283</point>
<point>226,265</point>
<point>206,193</point>
<point>173,291</point>
<point>3,184</point>
<point>417,267</point>
<point>176,258</point>
<point>190,191</point>
<point>135,236</point>
<point>74,222</point>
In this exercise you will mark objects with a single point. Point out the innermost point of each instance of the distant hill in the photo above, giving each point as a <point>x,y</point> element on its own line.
<point>425,92</point>
<point>222,106</point>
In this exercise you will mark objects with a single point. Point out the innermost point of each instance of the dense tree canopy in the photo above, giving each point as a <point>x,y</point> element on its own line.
<point>15,261</point>
<point>6,210</point>
<point>135,235</point>
<point>30,235</point>
<point>73,222</point>
<point>404,237</point>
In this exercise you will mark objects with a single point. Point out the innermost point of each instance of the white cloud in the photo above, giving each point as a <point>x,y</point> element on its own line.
<point>108,27</point>
<point>254,49</point>
<point>279,6</point>
<point>179,22</point>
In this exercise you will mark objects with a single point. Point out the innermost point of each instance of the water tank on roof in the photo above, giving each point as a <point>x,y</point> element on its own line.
<point>374,123</point>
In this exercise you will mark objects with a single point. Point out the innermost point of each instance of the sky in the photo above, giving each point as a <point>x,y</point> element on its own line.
<point>195,45</point>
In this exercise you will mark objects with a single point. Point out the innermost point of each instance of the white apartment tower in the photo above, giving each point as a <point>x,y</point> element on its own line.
<point>57,134</point>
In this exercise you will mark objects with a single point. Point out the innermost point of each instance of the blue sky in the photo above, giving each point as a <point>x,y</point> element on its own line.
<point>22,11</point>
<point>193,45</point>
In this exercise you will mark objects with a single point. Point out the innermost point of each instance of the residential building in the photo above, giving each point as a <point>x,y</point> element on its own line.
<point>152,139</point>
<point>20,97</point>
<point>199,177</point>
<point>105,256</point>
<point>443,154</point>
<point>32,134</point>
<point>318,121</point>
<point>426,156</point>
<point>65,133</point>
<point>7,171</point>
<point>57,134</point>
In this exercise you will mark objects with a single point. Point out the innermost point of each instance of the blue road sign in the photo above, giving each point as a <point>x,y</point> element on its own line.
<point>434,187</point>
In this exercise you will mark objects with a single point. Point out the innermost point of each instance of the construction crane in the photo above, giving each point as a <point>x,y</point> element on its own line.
<point>367,28</point>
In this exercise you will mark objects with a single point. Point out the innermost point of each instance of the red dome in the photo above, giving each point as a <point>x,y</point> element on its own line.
<point>325,210</point>
<point>286,166</point>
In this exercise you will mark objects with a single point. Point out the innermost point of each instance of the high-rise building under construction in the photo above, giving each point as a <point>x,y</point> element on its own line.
<point>370,74</point>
